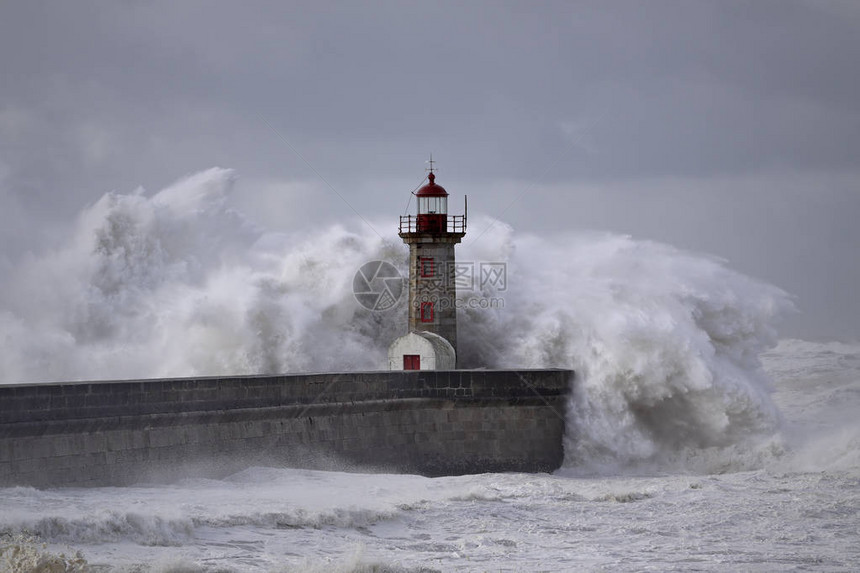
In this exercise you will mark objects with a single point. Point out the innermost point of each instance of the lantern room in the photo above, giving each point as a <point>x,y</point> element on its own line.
<point>432,207</point>
<point>432,198</point>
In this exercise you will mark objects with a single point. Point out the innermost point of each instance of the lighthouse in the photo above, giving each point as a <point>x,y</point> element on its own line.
<point>431,235</point>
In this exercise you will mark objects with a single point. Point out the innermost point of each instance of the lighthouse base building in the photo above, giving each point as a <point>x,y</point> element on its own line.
<point>421,350</point>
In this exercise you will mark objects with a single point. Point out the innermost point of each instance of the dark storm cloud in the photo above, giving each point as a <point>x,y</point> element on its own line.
<point>590,106</point>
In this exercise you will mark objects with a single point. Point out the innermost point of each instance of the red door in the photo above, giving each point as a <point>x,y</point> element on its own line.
<point>411,362</point>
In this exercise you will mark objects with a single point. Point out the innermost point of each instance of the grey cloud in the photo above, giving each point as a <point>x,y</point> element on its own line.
<point>608,96</point>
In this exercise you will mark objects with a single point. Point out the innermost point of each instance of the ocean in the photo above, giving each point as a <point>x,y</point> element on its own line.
<point>698,440</point>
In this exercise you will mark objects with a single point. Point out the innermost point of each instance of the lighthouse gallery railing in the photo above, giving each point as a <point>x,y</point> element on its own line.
<point>422,223</point>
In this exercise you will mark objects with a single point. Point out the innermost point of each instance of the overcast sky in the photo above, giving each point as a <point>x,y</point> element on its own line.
<point>730,128</point>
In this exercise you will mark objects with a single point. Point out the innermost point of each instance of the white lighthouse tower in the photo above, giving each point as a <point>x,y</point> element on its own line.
<point>431,235</point>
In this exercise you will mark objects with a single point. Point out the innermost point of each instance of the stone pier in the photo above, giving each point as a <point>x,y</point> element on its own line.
<point>426,422</point>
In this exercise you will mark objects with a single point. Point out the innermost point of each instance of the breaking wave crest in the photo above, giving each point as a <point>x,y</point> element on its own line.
<point>665,343</point>
<point>27,554</point>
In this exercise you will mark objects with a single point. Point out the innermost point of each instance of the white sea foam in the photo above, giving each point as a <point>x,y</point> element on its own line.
<point>22,553</point>
<point>756,520</point>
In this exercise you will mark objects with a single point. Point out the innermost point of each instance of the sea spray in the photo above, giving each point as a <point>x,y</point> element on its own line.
<point>665,343</point>
<point>181,277</point>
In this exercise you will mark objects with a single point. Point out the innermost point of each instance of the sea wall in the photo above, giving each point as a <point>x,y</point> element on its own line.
<point>427,422</point>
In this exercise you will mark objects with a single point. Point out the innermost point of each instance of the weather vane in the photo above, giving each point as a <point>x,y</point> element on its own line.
<point>431,162</point>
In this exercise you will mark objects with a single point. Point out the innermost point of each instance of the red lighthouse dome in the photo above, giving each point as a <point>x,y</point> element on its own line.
<point>431,189</point>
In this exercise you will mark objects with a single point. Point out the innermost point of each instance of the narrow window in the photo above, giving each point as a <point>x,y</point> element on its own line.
<point>426,312</point>
<point>426,266</point>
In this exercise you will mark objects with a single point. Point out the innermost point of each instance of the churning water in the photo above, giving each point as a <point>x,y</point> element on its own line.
<point>696,442</point>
